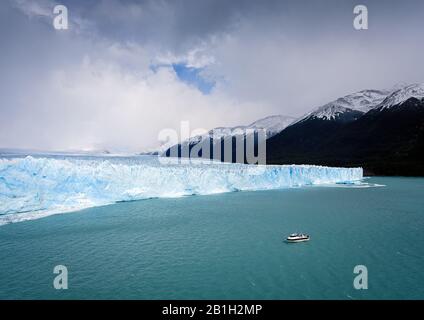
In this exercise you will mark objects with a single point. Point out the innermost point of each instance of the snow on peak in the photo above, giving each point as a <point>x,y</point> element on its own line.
<point>401,95</point>
<point>328,112</point>
<point>361,101</point>
<point>272,125</point>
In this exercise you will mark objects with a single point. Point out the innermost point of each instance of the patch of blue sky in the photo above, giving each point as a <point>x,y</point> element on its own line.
<point>193,76</point>
<point>189,75</point>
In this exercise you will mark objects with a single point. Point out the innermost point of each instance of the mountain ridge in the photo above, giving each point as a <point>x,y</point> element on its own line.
<point>384,141</point>
<point>379,130</point>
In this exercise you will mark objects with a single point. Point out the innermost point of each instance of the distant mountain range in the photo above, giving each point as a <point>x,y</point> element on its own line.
<point>272,125</point>
<point>379,130</point>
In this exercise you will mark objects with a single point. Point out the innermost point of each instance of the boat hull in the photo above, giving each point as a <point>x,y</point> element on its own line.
<point>297,240</point>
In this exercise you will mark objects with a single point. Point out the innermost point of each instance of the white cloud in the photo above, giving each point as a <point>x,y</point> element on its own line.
<point>41,8</point>
<point>197,57</point>
<point>112,100</point>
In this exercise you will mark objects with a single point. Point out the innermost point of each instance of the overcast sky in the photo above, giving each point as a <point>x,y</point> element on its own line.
<point>124,70</point>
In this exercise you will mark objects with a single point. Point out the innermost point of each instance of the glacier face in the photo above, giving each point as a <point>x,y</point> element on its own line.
<point>32,187</point>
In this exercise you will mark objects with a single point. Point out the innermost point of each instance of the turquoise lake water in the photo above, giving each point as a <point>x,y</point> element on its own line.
<point>227,246</point>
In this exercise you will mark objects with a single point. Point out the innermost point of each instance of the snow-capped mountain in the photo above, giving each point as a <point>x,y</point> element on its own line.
<point>351,131</point>
<point>356,104</point>
<point>272,125</point>
<point>388,139</point>
<point>401,95</point>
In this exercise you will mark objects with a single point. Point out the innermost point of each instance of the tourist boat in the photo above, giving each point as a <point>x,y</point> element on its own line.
<point>297,237</point>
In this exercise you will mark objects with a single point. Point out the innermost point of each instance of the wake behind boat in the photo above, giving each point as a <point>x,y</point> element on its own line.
<point>297,237</point>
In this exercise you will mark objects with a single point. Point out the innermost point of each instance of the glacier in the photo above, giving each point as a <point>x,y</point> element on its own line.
<point>33,187</point>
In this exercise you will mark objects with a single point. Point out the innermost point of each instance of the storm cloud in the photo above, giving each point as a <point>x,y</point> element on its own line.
<point>110,81</point>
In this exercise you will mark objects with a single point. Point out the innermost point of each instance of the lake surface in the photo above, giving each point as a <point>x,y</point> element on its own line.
<point>227,246</point>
